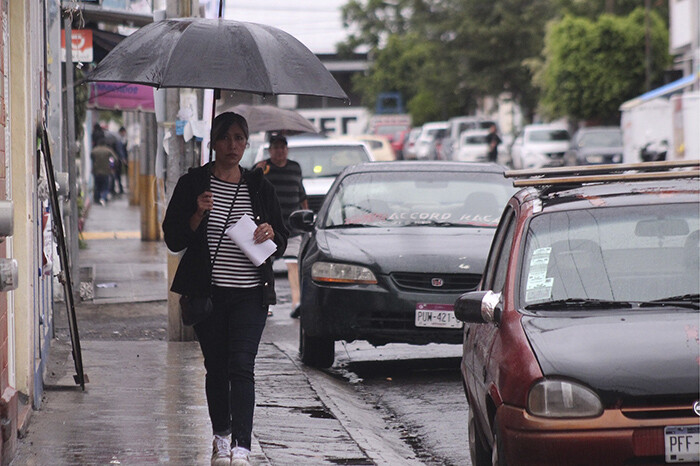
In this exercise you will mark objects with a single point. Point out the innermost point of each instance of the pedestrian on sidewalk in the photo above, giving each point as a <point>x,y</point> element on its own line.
<point>204,203</point>
<point>493,141</point>
<point>101,156</point>
<point>285,175</point>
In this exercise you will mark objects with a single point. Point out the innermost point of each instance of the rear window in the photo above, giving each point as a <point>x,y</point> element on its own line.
<point>475,139</point>
<point>323,161</point>
<point>601,139</point>
<point>548,135</point>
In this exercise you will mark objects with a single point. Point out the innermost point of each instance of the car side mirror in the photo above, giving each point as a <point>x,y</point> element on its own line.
<point>302,220</point>
<point>478,307</point>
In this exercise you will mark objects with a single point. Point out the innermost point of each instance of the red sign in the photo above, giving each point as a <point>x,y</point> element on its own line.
<point>81,45</point>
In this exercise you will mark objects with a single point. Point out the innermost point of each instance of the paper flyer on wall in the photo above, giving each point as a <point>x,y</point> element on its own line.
<point>241,233</point>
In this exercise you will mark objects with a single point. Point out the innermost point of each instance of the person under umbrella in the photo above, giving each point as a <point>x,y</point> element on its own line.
<point>204,203</point>
<point>285,175</point>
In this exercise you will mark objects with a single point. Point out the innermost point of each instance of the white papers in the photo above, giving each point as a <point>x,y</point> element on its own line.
<point>241,233</point>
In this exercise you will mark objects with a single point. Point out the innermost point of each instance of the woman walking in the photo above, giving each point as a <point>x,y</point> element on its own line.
<point>205,202</point>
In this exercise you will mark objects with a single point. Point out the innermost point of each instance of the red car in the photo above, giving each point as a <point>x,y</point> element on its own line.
<point>581,345</point>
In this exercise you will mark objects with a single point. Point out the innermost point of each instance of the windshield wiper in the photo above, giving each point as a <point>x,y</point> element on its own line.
<point>435,223</point>
<point>350,225</point>
<point>572,303</point>
<point>690,301</point>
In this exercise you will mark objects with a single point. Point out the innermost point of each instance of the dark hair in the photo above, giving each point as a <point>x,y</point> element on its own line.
<point>224,121</point>
<point>278,138</point>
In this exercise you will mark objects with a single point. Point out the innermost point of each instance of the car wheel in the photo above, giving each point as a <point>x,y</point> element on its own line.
<point>316,352</point>
<point>480,455</point>
<point>498,453</point>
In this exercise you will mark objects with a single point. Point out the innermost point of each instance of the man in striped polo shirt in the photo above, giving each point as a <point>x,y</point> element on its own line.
<point>285,176</point>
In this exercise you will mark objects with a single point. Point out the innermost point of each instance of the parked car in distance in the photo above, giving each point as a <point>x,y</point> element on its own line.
<point>392,247</point>
<point>472,146</point>
<point>456,126</point>
<point>321,160</point>
<point>595,145</point>
<point>409,151</point>
<point>399,141</point>
<point>425,145</point>
<point>379,146</point>
<point>540,145</point>
<point>581,344</point>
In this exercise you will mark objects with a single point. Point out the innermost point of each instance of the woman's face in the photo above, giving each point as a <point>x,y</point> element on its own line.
<point>230,146</point>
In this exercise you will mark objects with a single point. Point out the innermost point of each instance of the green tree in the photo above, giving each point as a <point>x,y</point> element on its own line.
<point>593,66</point>
<point>449,53</point>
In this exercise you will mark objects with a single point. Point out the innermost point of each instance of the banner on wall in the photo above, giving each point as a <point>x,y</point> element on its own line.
<point>121,96</point>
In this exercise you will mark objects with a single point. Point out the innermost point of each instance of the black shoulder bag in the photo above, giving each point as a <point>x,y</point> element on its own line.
<point>195,309</point>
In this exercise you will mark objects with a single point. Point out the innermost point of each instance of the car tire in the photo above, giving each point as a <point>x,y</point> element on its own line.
<point>480,455</point>
<point>498,453</point>
<point>318,352</point>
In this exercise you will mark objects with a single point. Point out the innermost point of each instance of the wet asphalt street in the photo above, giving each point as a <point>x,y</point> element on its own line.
<point>144,402</point>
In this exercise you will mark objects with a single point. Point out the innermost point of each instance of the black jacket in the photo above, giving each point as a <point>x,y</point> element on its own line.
<point>193,276</point>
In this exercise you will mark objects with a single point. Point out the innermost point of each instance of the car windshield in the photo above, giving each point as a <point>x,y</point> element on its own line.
<point>601,139</point>
<point>326,160</point>
<point>632,253</point>
<point>548,135</point>
<point>414,198</point>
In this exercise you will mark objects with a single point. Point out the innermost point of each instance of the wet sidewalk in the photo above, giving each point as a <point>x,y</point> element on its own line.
<point>144,402</point>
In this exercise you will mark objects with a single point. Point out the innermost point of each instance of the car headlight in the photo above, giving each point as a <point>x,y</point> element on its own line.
<point>342,273</point>
<point>563,399</point>
<point>594,158</point>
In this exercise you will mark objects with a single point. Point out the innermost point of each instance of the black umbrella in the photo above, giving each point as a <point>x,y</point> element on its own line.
<point>217,54</point>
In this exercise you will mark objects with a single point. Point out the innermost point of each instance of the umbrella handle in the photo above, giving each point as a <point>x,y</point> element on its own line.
<point>217,96</point>
<point>217,92</point>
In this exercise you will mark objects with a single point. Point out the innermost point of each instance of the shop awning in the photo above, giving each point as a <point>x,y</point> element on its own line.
<point>663,91</point>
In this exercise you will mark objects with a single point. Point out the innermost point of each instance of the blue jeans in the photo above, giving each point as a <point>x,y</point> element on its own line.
<point>229,340</point>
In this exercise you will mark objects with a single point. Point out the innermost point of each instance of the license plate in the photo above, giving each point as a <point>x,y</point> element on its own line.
<point>682,444</point>
<point>436,315</point>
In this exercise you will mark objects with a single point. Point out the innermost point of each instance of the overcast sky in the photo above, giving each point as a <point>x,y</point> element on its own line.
<point>316,23</point>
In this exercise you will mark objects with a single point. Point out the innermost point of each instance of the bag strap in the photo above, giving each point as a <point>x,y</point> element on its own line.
<point>223,230</point>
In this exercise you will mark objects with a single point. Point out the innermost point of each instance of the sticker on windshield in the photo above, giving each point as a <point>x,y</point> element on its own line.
<point>539,286</point>
<point>318,169</point>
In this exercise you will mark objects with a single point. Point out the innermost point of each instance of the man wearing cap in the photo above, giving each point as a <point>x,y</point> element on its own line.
<point>285,176</point>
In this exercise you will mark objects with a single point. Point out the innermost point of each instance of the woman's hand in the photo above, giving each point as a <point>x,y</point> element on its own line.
<point>263,232</point>
<point>205,202</point>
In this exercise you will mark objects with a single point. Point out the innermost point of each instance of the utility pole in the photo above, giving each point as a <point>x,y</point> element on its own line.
<point>177,163</point>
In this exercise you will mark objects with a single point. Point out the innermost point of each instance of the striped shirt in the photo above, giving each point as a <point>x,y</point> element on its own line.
<point>288,187</point>
<point>231,267</point>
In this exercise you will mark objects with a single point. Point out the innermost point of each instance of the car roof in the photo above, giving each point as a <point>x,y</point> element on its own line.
<point>599,128</point>
<point>429,166</point>
<point>435,124</point>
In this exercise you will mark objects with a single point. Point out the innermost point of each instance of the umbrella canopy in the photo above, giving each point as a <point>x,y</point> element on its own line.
<point>270,118</point>
<point>217,54</point>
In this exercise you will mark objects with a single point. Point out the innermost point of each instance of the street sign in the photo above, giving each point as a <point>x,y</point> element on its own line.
<point>81,45</point>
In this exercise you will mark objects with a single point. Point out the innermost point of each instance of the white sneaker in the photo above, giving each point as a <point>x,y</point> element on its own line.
<point>240,456</point>
<point>221,452</point>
